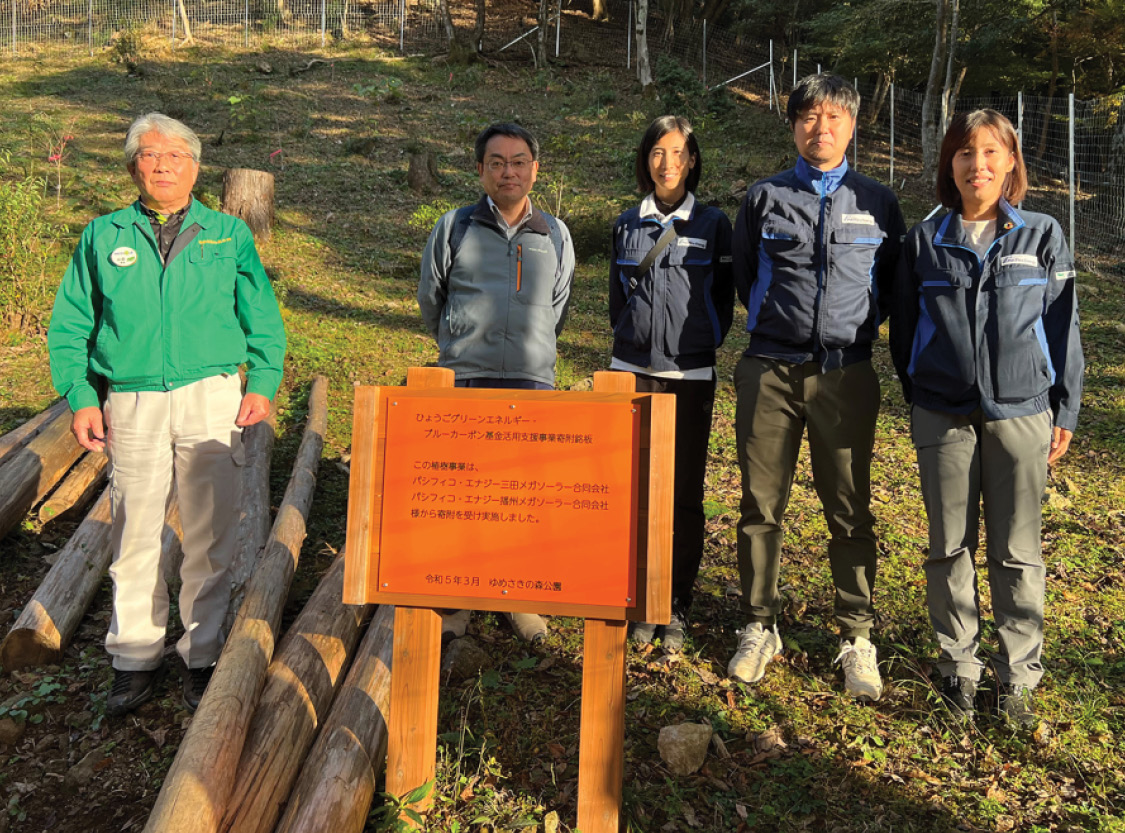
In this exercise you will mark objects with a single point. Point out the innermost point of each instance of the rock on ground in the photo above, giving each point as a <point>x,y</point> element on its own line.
<point>683,747</point>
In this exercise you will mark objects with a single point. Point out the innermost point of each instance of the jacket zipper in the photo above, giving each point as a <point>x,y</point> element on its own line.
<point>519,266</point>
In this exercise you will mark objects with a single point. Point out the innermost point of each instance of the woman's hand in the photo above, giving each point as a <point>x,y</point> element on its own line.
<point>1060,442</point>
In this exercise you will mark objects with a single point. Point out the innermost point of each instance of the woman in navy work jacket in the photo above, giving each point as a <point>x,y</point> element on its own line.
<point>668,320</point>
<point>985,341</point>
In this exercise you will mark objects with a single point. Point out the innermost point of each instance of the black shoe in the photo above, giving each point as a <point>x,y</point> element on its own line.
<point>130,689</point>
<point>960,694</point>
<point>195,683</point>
<point>641,633</point>
<point>1017,707</point>
<point>672,635</point>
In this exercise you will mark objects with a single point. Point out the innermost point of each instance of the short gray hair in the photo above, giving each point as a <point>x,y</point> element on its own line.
<point>165,126</point>
<point>813,90</point>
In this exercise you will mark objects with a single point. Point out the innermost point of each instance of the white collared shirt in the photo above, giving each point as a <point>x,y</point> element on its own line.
<point>510,230</point>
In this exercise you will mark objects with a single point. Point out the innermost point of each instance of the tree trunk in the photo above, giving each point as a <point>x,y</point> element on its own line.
<point>478,32</point>
<point>300,684</point>
<point>20,436</point>
<point>447,23</point>
<point>947,97</point>
<point>248,195</point>
<point>53,614</point>
<point>30,473</point>
<point>878,98</point>
<point>196,789</point>
<point>600,11</point>
<point>644,70</point>
<point>931,137</point>
<point>541,35</point>
<point>1052,85</point>
<point>1115,177</point>
<point>337,782</point>
<point>254,518</point>
<point>78,489</point>
<point>184,20</point>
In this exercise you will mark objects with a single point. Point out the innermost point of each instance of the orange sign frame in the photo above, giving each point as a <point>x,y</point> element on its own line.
<point>407,529</point>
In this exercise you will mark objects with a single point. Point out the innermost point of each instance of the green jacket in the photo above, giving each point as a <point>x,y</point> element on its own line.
<point>123,316</point>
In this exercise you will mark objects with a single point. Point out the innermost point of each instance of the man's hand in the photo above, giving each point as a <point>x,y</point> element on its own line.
<point>254,409</point>
<point>88,428</point>
<point>1060,442</point>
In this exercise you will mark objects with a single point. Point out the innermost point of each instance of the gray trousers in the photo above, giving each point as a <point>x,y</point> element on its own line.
<point>962,459</point>
<point>776,402</point>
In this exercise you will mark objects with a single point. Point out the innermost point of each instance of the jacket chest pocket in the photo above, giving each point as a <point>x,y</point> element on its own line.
<point>214,264</point>
<point>535,264</point>
<point>1022,369</point>
<point>853,250</point>
<point>787,246</point>
<point>689,251</point>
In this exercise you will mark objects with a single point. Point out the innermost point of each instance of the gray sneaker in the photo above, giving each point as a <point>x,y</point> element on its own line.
<point>641,633</point>
<point>756,647</point>
<point>861,669</point>
<point>672,635</point>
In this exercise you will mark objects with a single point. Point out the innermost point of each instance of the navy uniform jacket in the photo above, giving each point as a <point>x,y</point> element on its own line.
<point>999,332</point>
<point>676,315</point>
<point>814,260</point>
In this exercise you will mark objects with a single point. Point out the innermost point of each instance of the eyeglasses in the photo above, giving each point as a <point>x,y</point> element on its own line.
<point>518,166</point>
<point>175,157</point>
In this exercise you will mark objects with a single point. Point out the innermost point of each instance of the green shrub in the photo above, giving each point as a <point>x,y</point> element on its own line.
<point>425,217</point>
<point>27,242</point>
<point>684,94</point>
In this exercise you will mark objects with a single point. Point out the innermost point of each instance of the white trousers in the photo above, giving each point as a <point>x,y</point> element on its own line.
<point>189,434</point>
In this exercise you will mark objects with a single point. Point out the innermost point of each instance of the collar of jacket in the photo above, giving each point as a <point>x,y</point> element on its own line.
<point>650,213</point>
<point>951,231</point>
<point>810,177</point>
<point>197,213</point>
<point>483,214</point>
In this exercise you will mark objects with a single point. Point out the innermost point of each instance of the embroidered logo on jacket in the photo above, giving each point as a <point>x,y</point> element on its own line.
<point>1019,260</point>
<point>696,242</point>
<point>859,219</point>
<point>1063,276</point>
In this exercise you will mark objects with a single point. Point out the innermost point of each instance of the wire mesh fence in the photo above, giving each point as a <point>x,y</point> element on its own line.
<point>1075,150</point>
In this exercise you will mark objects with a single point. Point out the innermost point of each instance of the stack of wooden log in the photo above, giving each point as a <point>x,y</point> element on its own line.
<point>286,740</point>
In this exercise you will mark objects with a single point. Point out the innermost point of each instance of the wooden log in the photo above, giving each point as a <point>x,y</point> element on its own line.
<point>21,435</point>
<point>196,789</point>
<point>248,195</point>
<point>78,488</point>
<point>300,684</point>
<point>337,783</point>
<point>49,620</point>
<point>28,474</point>
<point>254,521</point>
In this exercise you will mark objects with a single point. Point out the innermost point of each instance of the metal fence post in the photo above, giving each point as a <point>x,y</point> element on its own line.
<point>89,27</point>
<point>402,26</point>
<point>1071,176</point>
<point>323,21</point>
<point>705,52</point>
<point>855,129</point>
<point>13,28</point>
<point>771,79</point>
<point>794,67</point>
<point>558,26</point>
<point>173,24</point>
<point>892,135</point>
<point>246,23</point>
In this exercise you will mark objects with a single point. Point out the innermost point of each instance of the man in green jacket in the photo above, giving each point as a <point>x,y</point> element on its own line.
<point>161,304</point>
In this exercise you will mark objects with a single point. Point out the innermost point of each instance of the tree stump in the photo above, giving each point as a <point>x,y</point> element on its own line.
<point>248,195</point>
<point>422,174</point>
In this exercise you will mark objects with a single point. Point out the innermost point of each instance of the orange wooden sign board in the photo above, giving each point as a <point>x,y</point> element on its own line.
<point>494,498</point>
<point>544,501</point>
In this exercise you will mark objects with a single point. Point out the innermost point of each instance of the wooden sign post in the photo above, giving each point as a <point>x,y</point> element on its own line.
<point>550,502</point>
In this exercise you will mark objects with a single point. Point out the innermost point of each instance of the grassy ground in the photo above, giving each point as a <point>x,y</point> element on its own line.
<point>344,258</point>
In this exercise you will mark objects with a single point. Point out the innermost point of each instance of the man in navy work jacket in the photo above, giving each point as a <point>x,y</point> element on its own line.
<point>814,260</point>
<point>494,290</point>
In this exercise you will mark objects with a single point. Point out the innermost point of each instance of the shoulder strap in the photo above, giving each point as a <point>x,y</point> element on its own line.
<point>653,253</point>
<point>460,226</point>
<point>555,234</point>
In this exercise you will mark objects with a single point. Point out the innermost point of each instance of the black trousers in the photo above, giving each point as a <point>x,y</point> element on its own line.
<point>695,402</point>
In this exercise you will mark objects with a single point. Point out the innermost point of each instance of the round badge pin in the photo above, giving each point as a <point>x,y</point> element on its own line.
<point>123,256</point>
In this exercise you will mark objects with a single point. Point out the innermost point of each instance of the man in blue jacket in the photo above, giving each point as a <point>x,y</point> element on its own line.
<point>814,259</point>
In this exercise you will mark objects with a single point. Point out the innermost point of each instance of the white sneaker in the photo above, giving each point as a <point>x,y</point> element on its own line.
<point>861,669</point>
<point>756,647</point>
<point>454,623</point>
